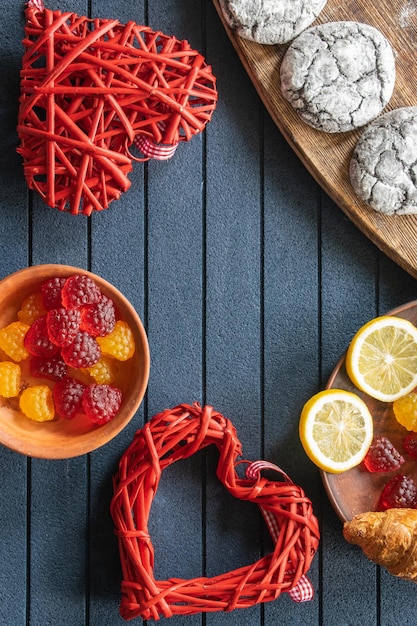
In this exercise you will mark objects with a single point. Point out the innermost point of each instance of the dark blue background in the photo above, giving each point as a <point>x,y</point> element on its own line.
<point>250,283</point>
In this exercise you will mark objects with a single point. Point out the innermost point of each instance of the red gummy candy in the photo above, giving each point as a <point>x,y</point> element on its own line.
<point>84,351</point>
<point>52,368</point>
<point>382,456</point>
<point>63,325</point>
<point>51,292</point>
<point>399,492</point>
<point>80,290</point>
<point>101,402</point>
<point>99,319</point>
<point>410,444</point>
<point>67,395</point>
<point>37,340</point>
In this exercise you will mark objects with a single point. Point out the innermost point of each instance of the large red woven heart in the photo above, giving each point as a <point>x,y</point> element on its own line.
<point>90,88</point>
<point>176,434</point>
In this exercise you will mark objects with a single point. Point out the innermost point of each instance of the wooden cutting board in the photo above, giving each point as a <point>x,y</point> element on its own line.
<point>327,156</point>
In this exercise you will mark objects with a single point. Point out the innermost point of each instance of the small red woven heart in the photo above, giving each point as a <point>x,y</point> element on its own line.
<point>176,434</point>
<point>90,88</point>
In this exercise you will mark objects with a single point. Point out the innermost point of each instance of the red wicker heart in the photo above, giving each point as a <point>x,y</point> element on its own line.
<point>176,434</point>
<point>90,88</point>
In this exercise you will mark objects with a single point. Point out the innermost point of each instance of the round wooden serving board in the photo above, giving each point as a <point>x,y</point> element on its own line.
<point>357,490</point>
<point>325,155</point>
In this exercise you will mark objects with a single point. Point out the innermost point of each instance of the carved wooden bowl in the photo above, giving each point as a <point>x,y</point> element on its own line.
<point>60,438</point>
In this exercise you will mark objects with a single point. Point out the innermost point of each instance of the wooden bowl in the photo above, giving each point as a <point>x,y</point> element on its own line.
<point>59,438</point>
<point>357,490</point>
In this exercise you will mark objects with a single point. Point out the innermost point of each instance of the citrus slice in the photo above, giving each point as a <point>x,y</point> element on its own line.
<point>382,358</point>
<point>336,430</point>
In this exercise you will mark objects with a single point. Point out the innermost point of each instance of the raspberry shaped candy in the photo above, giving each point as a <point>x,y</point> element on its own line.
<point>382,456</point>
<point>80,290</point>
<point>12,341</point>
<point>50,367</point>
<point>83,352</point>
<point>67,395</point>
<point>31,308</point>
<point>63,325</point>
<point>410,445</point>
<point>99,319</point>
<point>51,293</point>
<point>101,402</point>
<point>10,377</point>
<point>400,492</point>
<point>120,343</point>
<point>37,340</point>
<point>37,403</point>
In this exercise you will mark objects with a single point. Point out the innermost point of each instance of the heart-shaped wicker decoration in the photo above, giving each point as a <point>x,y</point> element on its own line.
<point>176,434</point>
<point>90,88</point>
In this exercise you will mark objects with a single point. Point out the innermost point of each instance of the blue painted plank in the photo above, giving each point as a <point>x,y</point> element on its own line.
<point>14,531</point>
<point>233,305</point>
<point>58,542</point>
<point>291,339</point>
<point>174,251</point>
<point>396,287</point>
<point>174,279</point>
<point>58,237</point>
<point>13,197</point>
<point>183,20</point>
<point>348,299</point>
<point>397,601</point>
<point>14,254</point>
<point>58,515</point>
<point>124,11</point>
<point>233,246</point>
<point>118,255</point>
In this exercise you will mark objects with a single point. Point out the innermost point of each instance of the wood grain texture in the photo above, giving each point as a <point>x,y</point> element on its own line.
<point>327,156</point>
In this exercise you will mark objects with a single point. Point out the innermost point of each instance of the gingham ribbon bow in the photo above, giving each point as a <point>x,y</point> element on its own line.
<point>303,591</point>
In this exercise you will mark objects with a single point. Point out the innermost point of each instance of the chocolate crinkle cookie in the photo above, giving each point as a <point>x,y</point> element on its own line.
<point>270,21</point>
<point>338,76</point>
<point>383,168</point>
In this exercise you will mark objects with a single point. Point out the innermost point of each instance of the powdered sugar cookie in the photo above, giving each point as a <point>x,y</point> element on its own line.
<point>383,168</point>
<point>338,76</point>
<point>270,21</point>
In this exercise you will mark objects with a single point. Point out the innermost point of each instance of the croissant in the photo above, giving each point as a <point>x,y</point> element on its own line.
<point>388,538</point>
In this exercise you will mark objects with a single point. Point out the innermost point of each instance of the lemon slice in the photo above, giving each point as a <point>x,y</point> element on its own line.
<point>336,430</point>
<point>382,358</point>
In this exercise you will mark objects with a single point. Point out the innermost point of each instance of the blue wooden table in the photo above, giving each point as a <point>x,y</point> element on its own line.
<point>250,283</point>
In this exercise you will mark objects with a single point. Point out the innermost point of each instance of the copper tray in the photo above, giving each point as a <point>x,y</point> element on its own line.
<point>357,490</point>
<point>327,156</point>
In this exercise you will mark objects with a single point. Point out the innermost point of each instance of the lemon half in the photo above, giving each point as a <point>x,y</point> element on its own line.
<point>336,430</point>
<point>382,358</point>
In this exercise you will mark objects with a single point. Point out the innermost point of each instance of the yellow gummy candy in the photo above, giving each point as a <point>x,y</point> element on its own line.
<point>31,308</point>
<point>104,372</point>
<point>405,411</point>
<point>11,340</point>
<point>10,376</point>
<point>120,343</point>
<point>37,403</point>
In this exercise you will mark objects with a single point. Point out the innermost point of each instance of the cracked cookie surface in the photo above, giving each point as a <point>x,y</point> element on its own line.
<point>383,168</point>
<point>270,21</point>
<point>338,76</point>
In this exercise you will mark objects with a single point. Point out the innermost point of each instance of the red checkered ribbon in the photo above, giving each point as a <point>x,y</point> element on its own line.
<point>152,150</point>
<point>36,4</point>
<point>303,591</point>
